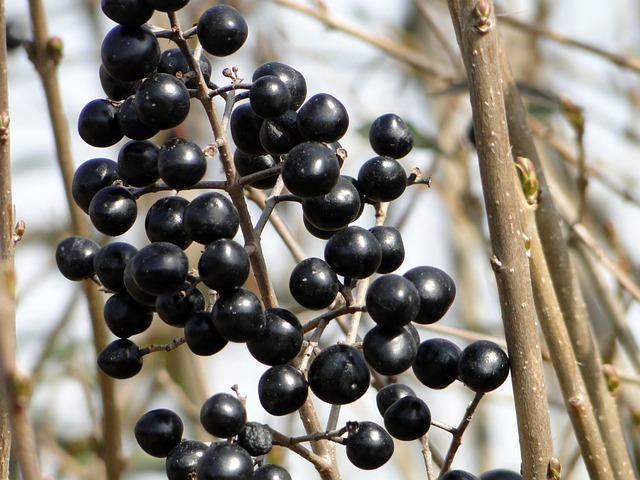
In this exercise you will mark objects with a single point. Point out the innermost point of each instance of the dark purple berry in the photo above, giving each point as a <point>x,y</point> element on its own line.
<point>75,256</point>
<point>245,127</point>
<point>282,389</point>
<point>223,415</point>
<point>483,366</point>
<point>382,179</point>
<point>408,418</point>
<point>181,163</point>
<point>183,459</point>
<point>91,177</point>
<point>310,169</point>
<point>225,461</point>
<point>238,315</point>
<point>120,359</point>
<point>175,308</point>
<point>224,265</point>
<point>369,446</point>
<point>98,124</point>
<point>160,267</point>
<point>392,247</point>
<point>390,136</point>
<point>127,12</point>
<point>167,5</point>
<point>126,317</point>
<point>113,210</point>
<point>211,216</point>
<point>313,284</point>
<point>130,52</point>
<point>500,474</point>
<point>353,252</point>
<point>323,118</point>
<point>173,62</point>
<point>222,30</point>
<point>389,394</point>
<point>436,363</point>
<point>437,292</point>
<point>458,475</point>
<point>131,125</point>
<point>116,89</point>
<point>164,221</point>
<point>279,135</point>
<point>162,101</point>
<point>247,164</point>
<point>269,97</point>
<point>201,335</point>
<point>389,351</point>
<point>291,77</point>
<point>138,163</point>
<point>392,301</point>
<point>336,209</point>
<point>158,431</point>
<point>271,472</point>
<point>109,264</point>
<point>280,341</point>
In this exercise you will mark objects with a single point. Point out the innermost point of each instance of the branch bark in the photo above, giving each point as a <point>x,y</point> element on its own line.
<point>474,22</point>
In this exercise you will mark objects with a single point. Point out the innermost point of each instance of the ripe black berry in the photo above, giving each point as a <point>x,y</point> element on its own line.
<point>313,283</point>
<point>245,127</point>
<point>126,317</point>
<point>390,136</point>
<point>339,374</point>
<point>408,418</point>
<point>282,389</point>
<point>256,438</point>
<point>133,289</point>
<point>271,472</point>
<point>269,97</point>
<point>75,256</point>
<point>392,247</point>
<point>224,265</point>
<point>436,363</point>
<point>389,394</point>
<point>162,101</point>
<point>369,446</point>
<point>173,62</point>
<point>159,267</point>
<point>437,292</point>
<point>238,315</point>
<point>116,89</point>
<point>98,124</point>
<point>281,339</point>
<point>91,177</point>
<point>174,308</point>
<point>222,30</point>
<point>483,366</point>
<point>138,163</point>
<point>211,216</point>
<point>392,301</point>
<point>223,415</point>
<point>458,475</point>
<point>164,221</point>
<point>310,169</point>
<point>353,252</point>
<point>201,335</point>
<point>323,118</point>
<point>500,474</point>
<point>183,459</point>
<point>247,164</point>
<point>127,12</point>
<point>130,52</point>
<point>382,179</point>
<point>291,77</point>
<point>181,163</point>
<point>131,125</point>
<point>336,209</point>
<point>389,351</point>
<point>113,210</point>
<point>280,134</point>
<point>225,461</point>
<point>109,264</point>
<point>120,359</point>
<point>167,5</point>
<point>158,431</point>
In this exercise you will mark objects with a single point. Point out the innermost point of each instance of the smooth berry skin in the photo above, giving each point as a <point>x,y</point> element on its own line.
<point>162,101</point>
<point>138,163</point>
<point>120,359</point>
<point>247,164</point>
<point>292,78</point>
<point>353,252</point>
<point>458,475</point>
<point>127,12</point>
<point>390,136</point>
<point>160,267</point>
<point>392,247</point>
<point>323,118</point>
<point>75,256</point>
<point>238,315</point>
<point>389,351</point>
<point>271,472</point>
<point>91,177</point>
<point>437,292</point>
<point>245,126</point>
<point>158,431</point>
<point>98,124</point>
<point>310,169</point>
<point>336,209</point>
<point>256,438</point>
<point>269,97</point>
<point>174,308</point>
<point>369,446</point>
<point>339,375</point>
<point>130,53</point>
<point>282,390</point>
<point>315,231</point>
<point>224,265</point>
<point>109,264</point>
<point>313,284</point>
<point>209,217</point>
<point>392,301</point>
<point>436,363</point>
<point>407,419</point>
<point>131,125</point>
<point>164,221</point>
<point>181,163</point>
<point>382,179</point>
<point>126,317</point>
<point>183,459</point>
<point>134,289</point>
<point>223,415</point>
<point>483,366</point>
<point>167,5</point>
<point>113,210</point>
<point>280,134</point>
<point>116,89</point>
<point>280,341</point>
<point>173,62</point>
<point>500,474</point>
<point>225,461</point>
<point>222,30</point>
<point>201,335</point>
<point>391,393</point>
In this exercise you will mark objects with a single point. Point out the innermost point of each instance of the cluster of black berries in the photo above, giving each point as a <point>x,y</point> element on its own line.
<point>278,133</point>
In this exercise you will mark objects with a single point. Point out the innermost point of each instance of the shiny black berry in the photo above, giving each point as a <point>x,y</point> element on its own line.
<point>500,474</point>
<point>336,209</point>
<point>225,461</point>
<point>353,252</point>
<point>162,101</point>
<point>280,134</point>
<point>310,169</point>
<point>247,164</point>
<point>211,216</point>
<point>369,446</point>
<point>271,472</point>
<point>437,292</point>
<point>181,163</point>
<point>125,317</point>
<point>183,459</point>
<point>91,177</point>
<point>436,363</point>
<point>224,265</point>
<point>392,247</point>
<point>282,389</point>
<point>269,97</point>
<point>390,136</point>
<point>158,431</point>
<point>75,256</point>
<point>175,308</point>
<point>164,221</point>
<point>113,210</point>
<point>138,163</point>
<point>291,77</point>
<point>167,5</point>
<point>392,301</point>
<point>408,418</point>
<point>109,264</point>
<point>389,394</point>
<point>280,341</point>
<point>323,118</point>
<point>223,415</point>
<point>382,179</point>
<point>130,52</point>
<point>313,283</point>
<point>222,30</point>
<point>245,127</point>
<point>116,89</point>
<point>238,315</point>
<point>201,334</point>
<point>98,124</point>
<point>160,267</point>
<point>131,125</point>
<point>127,12</point>
<point>389,351</point>
<point>120,359</point>
<point>458,475</point>
<point>483,366</point>
<point>173,62</point>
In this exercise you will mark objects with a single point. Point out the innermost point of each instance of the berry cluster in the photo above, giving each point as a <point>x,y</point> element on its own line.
<point>282,140</point>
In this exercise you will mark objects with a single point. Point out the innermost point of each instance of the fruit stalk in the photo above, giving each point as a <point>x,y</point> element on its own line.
<point>567,290</point>
<point>479,43</point>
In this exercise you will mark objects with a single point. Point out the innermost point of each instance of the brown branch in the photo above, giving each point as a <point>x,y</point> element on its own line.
<point>479,42</point>
<point>554,245</point>
<point>45,53</point>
